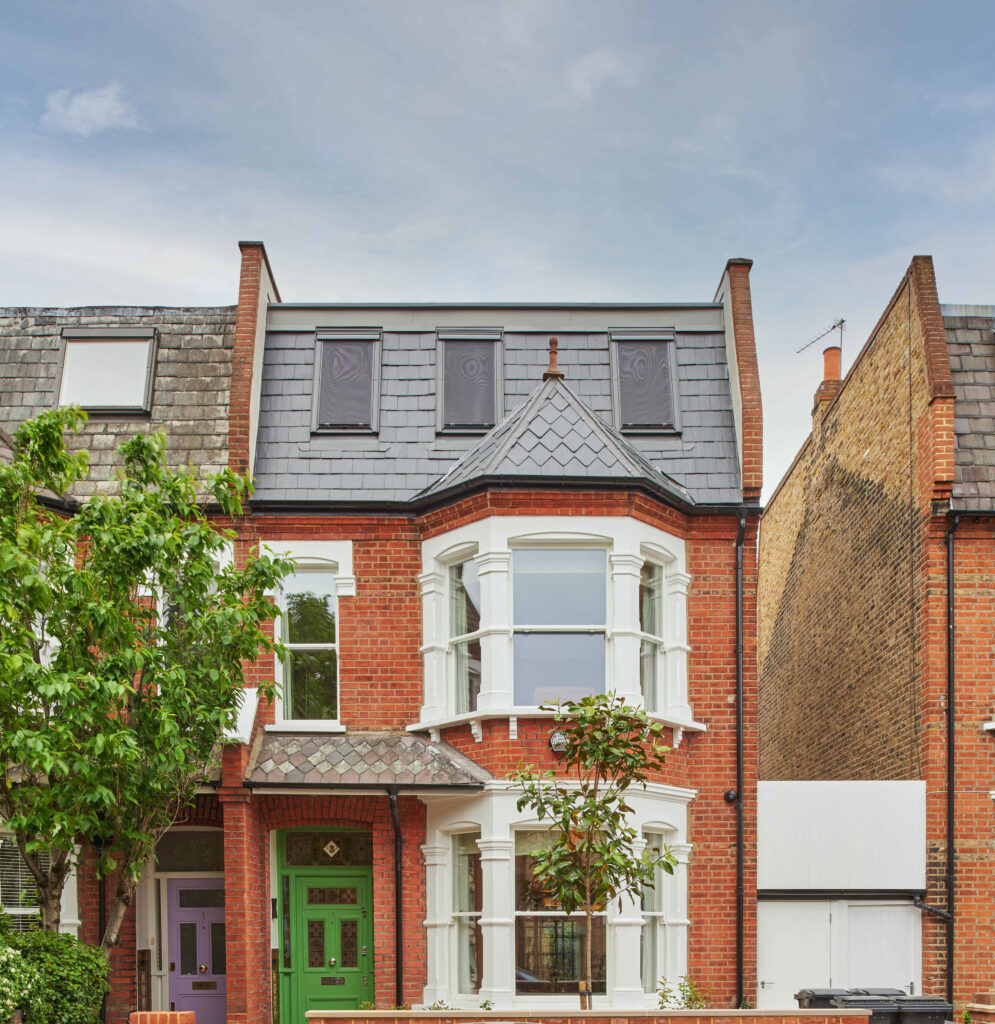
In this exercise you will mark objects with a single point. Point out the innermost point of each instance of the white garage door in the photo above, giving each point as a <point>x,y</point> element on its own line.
<point>835,944</point>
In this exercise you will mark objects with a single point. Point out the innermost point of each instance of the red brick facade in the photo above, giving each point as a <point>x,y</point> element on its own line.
<point>853,614</point>
<point>381,680</point>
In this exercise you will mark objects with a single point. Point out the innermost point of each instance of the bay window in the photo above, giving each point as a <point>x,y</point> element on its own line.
<point>549,945</point>
<point>560,612</point>
<point>310,670</point>
<point>652,937</point>
<point>464,631</point>
<point>467,908</point>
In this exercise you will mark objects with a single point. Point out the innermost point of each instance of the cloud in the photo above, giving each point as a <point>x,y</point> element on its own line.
<point>89,111</point>
<point>587,74</point>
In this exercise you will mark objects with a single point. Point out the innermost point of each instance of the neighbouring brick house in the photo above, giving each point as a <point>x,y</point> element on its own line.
<point>893,490</point>
<point>474,532</point>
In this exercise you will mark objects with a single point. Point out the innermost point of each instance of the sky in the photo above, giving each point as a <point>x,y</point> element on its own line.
<point>534,150</point>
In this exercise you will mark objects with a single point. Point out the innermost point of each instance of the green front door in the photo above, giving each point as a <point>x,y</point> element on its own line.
<point>332,928</point>
<point>325,921</point>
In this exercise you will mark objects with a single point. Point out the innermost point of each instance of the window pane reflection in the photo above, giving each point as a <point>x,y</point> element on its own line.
<point>551,666</point>
<point>559,587</point>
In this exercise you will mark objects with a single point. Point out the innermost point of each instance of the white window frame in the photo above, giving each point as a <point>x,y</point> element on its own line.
<point>657,641</point>
<point>589,629</point>
<point>370,335</point>
<point>82,336</point>
<point>456,915</point>
<point>660,335</point>
<point>495,335</point>
<point>316,556</point>
<point>455,641</point>
<point>492,541</point>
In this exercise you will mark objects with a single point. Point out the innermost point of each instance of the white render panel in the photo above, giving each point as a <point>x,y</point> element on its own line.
<point>841,835</point>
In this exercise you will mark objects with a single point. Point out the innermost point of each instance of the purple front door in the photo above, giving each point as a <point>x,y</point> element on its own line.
<point>196,909</point>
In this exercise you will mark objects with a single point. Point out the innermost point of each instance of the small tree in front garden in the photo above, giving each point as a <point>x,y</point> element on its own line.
<point>123,629</point>
<point>591,859</point>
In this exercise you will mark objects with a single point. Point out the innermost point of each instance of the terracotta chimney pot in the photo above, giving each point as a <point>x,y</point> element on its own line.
<point>831,363</point>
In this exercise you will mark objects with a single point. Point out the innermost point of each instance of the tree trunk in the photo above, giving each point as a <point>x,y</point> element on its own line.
<point>123,896</point>
<point>49,884</point>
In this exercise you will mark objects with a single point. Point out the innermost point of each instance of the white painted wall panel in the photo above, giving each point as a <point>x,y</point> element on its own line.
<point>841,835</point>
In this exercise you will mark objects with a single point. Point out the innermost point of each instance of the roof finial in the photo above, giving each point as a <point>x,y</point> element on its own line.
<point>552,373</point>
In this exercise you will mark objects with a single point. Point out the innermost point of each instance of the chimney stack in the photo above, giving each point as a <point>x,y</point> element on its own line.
<point>831,383</point>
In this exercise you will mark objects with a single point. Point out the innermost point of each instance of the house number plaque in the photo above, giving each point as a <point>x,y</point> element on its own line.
<point>333,981</point>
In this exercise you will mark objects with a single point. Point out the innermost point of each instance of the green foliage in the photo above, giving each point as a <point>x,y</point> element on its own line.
<point>122,637</point>
<point>684,996</point>
<point>439,1004</point>
<point>965,1017</point>
<point>591,859</point>
<point>72,979</point>
<point>367,1005</point>
<point>487,1004</point>
<point>19,980</point>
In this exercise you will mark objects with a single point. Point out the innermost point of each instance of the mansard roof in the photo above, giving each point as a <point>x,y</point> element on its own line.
<point>553,435</point>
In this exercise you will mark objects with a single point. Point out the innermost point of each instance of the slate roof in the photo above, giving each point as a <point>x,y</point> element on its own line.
<point>408,454</point>
<point>970,335</point>
<point>361,759</point>
<point>554,435</point>
<point>189,392</point>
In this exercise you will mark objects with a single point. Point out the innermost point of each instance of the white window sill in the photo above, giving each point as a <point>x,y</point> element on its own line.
<point>305,725</point>
<point>474,718</point>
<point>988,727</point>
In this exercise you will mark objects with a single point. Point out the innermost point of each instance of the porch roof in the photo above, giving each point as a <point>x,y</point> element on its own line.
<point>360,759</point>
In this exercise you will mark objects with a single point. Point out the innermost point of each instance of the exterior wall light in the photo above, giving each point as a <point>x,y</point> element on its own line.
<point>558,742</point>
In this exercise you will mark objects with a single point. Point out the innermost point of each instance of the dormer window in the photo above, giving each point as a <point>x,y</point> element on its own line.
<point>347,379</point>
<point>645,392</point>
<point>469,379</point>
<point>108,370</point>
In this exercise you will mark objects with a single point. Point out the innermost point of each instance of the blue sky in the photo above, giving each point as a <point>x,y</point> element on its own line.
<point>507,149</point>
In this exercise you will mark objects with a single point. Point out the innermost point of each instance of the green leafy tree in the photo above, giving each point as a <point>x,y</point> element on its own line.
<point>591,859</point>
<point>123,630</point>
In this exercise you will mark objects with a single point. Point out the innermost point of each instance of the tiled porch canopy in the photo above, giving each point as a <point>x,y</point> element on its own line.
<point>360,759</point>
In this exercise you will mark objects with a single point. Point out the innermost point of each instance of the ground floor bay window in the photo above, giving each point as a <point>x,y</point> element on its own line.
<point>494,935</point>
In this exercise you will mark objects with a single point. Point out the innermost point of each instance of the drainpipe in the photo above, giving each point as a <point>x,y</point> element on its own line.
<point>741,533</point>
<point>951,778</point>
<point>398,901</point>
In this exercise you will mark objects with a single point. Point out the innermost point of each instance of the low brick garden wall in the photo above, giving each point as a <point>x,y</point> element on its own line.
<point>587,1017</point>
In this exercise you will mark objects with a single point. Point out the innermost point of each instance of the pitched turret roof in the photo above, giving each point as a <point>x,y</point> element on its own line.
<point>553,434</point>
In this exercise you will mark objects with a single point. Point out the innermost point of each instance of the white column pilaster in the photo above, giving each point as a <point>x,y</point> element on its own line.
<point>437,897</point>
<point>496,688</point>
<point>433,650</point>
<point>675,948</point>
<point>676,636</point>
<point>625,570</point>
<point>625,985</point>
<point>497,921</point>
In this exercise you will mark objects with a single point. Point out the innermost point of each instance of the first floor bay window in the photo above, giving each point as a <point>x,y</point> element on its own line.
<point>560,612</point>
<point>310,683</point>
<point>550,945</point>
<point>467,907</point>
<point>651,643</point>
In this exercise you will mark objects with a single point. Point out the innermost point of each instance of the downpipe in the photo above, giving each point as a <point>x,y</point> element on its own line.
<point>951,764</point>
<point>398,900</point>
<point>740,535</point>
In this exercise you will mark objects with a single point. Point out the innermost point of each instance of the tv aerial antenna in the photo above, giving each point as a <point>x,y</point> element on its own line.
<point>838,325</point>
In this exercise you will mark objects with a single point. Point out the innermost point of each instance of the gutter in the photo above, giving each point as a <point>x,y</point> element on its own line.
<point>740,534</point>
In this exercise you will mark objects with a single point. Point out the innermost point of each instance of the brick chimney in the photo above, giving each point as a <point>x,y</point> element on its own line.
<point>831,383</point>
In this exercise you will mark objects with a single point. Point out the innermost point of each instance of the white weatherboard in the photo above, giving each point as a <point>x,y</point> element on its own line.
<point>841,835</point>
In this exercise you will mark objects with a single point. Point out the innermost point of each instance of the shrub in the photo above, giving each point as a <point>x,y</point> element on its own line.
<point>684,996</point>
<point>19,980</point>
<point>72,978</point>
